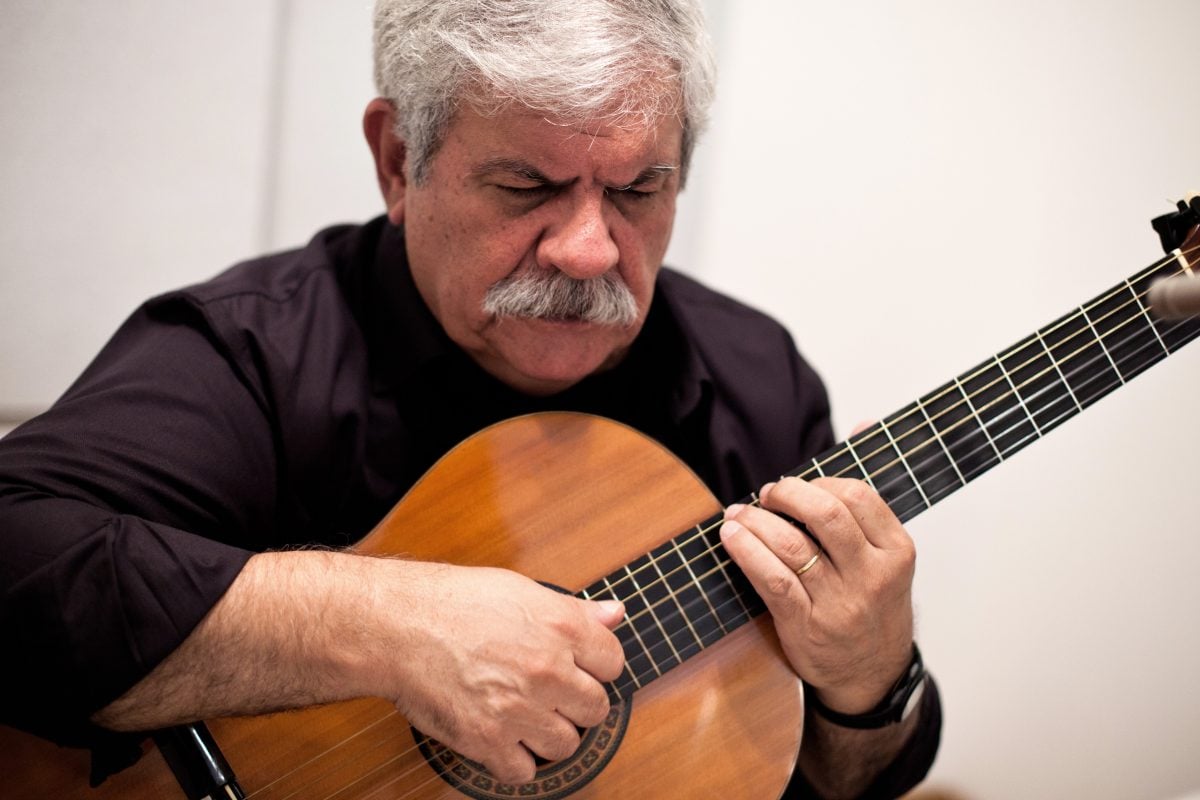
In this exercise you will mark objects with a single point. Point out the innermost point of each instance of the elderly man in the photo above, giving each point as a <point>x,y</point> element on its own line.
<point>529,154</point>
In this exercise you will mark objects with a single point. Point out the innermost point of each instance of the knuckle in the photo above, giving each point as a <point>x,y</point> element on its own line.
<point>563,745</point>
<point>614,660</point>
<point>794,549</point>
<point>598,709</point>
<point>827,512</point>
<point>858,492</point>
<point>779,585</point>
<point>541,666</point>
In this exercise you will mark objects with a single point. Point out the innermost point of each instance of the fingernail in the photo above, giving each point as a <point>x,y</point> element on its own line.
<point>729,528</point>
<point>733,510</point>
<point>762,493</point>
<point>611,607</point>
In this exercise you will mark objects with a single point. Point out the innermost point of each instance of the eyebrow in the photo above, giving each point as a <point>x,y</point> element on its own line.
<point>525,170</point>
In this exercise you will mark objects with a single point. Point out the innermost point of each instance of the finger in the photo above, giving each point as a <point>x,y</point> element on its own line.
<point>774,581</point>
<point>586,703</point>
<point>825,516</point>
<point>862,426</point>
<point>787,542</point>
<point>554,740</point>
<point>509,764</point>
<point>875,518</point>
<point>596,649</point>
<point>609,613</point>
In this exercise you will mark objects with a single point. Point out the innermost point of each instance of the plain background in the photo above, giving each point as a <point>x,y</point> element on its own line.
<point>910,187</point>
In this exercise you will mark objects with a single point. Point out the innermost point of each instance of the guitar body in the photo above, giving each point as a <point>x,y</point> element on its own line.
<point>564,499</point>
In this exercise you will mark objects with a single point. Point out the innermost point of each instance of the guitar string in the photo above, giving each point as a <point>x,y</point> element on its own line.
<point>713,550</point>
<point>967,378</point>
<point>1029,417</point>
<point>1074,316</point>
<point>651,655</point>
<point>670,613</point>
<point>646,674</point>
<point>430,778</point>
<point>849,469</point>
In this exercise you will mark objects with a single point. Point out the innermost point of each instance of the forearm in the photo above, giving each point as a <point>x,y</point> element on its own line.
<point>286,634</point>
<point>842,762</point>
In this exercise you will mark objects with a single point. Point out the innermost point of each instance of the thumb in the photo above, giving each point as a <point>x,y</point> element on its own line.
<point>608,612</point>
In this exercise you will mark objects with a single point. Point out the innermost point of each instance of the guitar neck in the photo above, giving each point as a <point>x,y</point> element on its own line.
<point>687,594</point>
<point>952,435</point>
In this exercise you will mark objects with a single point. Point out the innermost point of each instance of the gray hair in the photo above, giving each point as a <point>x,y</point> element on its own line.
<point>619,62</point>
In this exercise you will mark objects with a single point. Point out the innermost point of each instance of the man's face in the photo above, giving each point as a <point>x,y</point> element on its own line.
<point>515,194</point>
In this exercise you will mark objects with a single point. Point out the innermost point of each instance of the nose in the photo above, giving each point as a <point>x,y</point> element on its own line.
<point>580,243</point>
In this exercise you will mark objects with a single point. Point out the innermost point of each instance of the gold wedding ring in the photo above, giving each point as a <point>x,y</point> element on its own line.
<point>809,564</point>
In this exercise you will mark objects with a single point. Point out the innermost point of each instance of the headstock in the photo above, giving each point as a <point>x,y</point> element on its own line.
<point>1177,230</point>
<point>1179,296</point>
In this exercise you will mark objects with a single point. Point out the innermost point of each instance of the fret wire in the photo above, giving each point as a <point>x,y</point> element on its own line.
<point>702,532</point>
<point>1074,354</point>
<point>1035,396</point>
<point>1058,369</point>
<point>1145,313</point>
<point>692,575</point>
<point>1099,339</point>
<point>1144,274</point>
<point>647,676</point>
<point>938,435</point>
<point>883,426</point>
<point>975,414</point>
<point>671,593</point>
<point>1095,302</point>
<point>653,616</point>
<point>1017,394</point>
<point>861,467</point>
<point>637,635</point>
<point>1015,350</point>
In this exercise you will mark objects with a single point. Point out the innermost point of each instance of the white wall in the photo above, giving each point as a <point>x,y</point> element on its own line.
<point>910,187</point>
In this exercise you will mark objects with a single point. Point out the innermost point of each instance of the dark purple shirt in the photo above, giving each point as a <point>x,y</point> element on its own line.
<point>294,399</point>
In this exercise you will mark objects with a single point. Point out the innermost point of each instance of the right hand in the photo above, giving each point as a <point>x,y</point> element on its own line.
<point>494,665</point>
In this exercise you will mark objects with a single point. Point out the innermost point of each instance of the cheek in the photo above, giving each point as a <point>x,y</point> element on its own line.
<point>645,244</point>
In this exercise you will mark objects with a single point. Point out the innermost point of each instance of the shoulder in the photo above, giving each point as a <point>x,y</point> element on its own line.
<point>278,278</point>
<point>733,340</point>
<point>769,408</point>
<point>277,302</point>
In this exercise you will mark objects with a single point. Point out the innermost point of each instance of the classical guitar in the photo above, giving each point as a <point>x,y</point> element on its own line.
<point>706,705</point>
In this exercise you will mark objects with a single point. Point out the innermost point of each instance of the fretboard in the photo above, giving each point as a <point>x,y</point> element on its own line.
<point>687,594</point>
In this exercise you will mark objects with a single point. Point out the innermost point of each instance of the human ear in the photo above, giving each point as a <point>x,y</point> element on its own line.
<point>389,152</point>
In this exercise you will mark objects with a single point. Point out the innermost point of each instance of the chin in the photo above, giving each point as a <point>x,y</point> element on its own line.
<point>557,355</point>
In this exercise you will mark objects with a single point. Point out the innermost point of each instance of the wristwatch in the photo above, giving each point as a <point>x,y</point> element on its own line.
<point>895,706</point>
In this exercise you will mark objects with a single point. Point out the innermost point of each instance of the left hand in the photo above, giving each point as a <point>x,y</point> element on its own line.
<point>846,624</point>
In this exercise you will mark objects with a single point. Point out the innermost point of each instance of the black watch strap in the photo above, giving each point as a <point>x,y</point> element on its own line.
<point>895,706</point>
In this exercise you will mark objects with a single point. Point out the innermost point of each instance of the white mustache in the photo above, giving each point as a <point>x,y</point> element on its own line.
<point>556,296</point>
